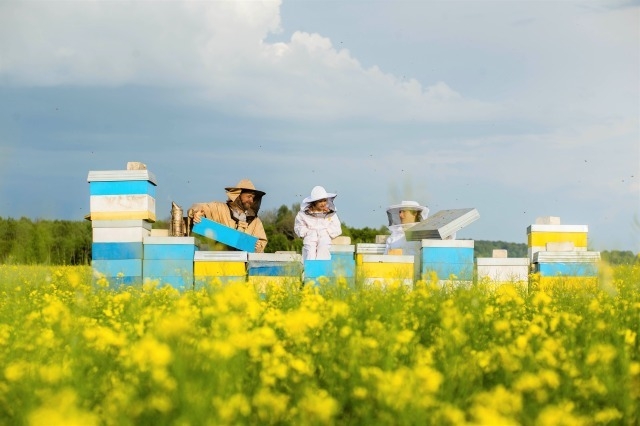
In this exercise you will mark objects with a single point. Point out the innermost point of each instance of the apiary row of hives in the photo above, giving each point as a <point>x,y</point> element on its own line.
<point>127,250</point>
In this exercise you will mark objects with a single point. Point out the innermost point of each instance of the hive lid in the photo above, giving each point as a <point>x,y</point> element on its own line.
<point>220,256</point>
<point>130,223</point>
<point>387,258</point>
<point>169,240</point>
<point>275,257</point>
<point>120,175</point>
<point>566,256</point>
<point>557,228</point>
<point>370,248</point>
<point>342,248</point>
<point>442,225</point>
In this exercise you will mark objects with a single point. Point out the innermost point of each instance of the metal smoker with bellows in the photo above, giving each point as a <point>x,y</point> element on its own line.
<point>180,226</point>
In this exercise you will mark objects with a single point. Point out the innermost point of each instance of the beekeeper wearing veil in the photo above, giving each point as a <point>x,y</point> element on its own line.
<point>317,223</point>
<point>402,217</point>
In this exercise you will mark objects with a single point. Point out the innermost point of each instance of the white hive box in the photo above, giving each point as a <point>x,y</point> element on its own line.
<point>503,269</point>
<point>120,231</point>
<point>442,225</point>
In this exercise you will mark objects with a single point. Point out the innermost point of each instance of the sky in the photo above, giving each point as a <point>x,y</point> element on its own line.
<point>519,109</point>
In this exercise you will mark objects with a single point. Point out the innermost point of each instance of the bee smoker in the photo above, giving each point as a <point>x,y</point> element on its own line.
<point>177,226</point>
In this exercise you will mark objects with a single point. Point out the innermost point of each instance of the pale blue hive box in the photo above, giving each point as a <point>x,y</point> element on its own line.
<point>117,272</point>
<point>169,260</point>
<point>566,263</point>
<point>225,235</point>
<point>447,258</point>
<point>115,251</point>
<point>341,265</point>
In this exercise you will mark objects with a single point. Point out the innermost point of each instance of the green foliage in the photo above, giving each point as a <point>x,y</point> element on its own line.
<point>63,242</point>
<point>57,242</point>
<point>617,257</point>
<point>485,248</point>
<point>363,235</point>
<point>278,225</point>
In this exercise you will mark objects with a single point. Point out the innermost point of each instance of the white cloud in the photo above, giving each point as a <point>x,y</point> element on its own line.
<point>219,47</point>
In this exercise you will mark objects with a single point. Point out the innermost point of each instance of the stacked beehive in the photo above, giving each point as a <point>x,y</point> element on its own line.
<point>501,269</point>
<point>557,250</point>
<point>122,208</point>
<point>341,266</point>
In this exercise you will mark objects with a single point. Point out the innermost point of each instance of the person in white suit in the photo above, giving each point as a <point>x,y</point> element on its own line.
<point>317,223</point>
<point>401,217</point>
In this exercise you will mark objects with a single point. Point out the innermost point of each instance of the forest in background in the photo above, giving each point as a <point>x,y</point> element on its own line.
<point>64,242</point>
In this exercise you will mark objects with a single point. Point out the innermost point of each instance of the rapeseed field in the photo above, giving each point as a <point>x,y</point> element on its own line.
<point>77,352</point>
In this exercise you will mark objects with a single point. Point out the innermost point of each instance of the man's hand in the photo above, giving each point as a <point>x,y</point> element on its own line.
<point>197,216</point>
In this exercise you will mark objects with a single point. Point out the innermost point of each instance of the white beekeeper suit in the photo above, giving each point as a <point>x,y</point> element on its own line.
<point>317,228</point>
<point>397,239</point>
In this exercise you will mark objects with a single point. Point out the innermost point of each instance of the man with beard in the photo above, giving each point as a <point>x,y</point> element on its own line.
<point>239,212</point>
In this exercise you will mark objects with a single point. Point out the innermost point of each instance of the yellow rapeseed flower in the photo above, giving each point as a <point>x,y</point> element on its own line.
<point>149,352</point>
<point>271,407</point>
<point>16,370</point>
<point>318,407</point>
<point>232,409</point>
<point>560,415</point>
<point>601,354</point>
<point>607,415</point>
<point>497,406</point>
<point>62,410</point>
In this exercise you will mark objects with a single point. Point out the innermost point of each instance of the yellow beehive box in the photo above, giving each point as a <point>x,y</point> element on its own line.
<point>540,235</point>
<point>219,266</point>
<point>385,269</point>
<point>219,269</point>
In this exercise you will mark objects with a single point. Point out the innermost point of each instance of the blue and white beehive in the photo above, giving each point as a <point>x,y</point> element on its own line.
<point>341,266</point>
<point>225,235</point>
<point>122,195</point>
<point>122,207</point>
<point>450,260</point>
<point>117,250</point>
<point>566,263</point>
<point>169,260</point>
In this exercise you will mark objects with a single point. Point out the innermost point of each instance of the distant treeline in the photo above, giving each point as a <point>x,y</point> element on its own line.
<point>64,242</point>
